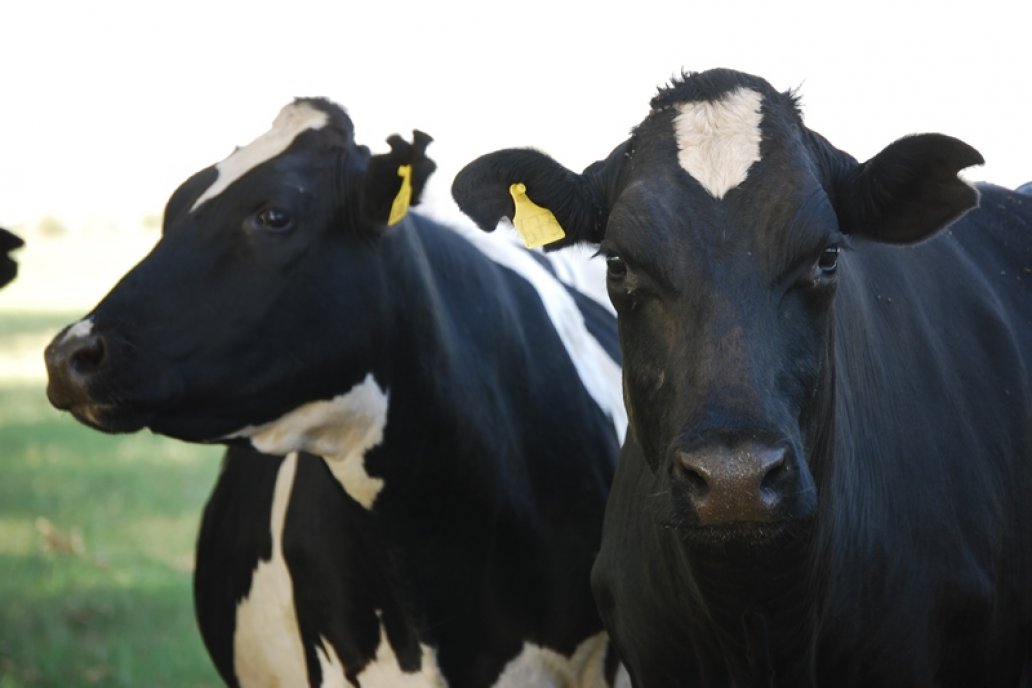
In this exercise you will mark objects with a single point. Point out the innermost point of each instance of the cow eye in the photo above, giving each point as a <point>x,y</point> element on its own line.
<point>615,267</point>
<point>828,262</point>
<point>272,220</point>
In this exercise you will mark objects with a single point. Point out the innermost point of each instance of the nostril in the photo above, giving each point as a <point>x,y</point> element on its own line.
<point>774,476</point>
<point>693,475</point>
<point>89,356</point>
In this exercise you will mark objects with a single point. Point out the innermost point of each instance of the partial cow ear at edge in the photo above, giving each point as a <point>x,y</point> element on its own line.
<point>908,191</point>
<point>394,181</point>
<point>489,188</point>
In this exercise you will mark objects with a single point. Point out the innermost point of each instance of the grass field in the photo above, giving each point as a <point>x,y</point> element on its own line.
<point>96,539</point>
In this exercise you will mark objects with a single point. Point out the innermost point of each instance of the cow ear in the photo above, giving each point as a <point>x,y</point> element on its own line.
<point>908,191</point>
<point>8,267</point>
<point>550,205</point>
<point>394,181</point>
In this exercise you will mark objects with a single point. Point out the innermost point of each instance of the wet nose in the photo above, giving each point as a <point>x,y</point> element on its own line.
<point>743,483</point>
<point>72,359</point>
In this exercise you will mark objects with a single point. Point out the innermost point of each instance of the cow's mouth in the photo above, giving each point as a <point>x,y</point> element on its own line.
<point>747,539</point>
<point>101,413</point>
<point>111,418</point>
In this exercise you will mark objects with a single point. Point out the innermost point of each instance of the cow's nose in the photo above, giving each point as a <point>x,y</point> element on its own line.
<point>72,359</point>
<point>746,483</point>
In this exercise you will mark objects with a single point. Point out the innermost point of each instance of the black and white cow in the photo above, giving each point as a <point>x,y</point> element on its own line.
<point>8,267</point>
<point>466,403</point>
<point>827,478</point>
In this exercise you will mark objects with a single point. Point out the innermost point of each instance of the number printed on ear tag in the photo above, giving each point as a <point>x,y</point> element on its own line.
<point>537,226</point>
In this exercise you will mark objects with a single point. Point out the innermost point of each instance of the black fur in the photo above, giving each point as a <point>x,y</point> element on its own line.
<point>893,544</point>
<point>496,460</point>
<point>8,267</point>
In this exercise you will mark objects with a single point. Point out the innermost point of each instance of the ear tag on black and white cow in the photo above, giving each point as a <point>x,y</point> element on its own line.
<point>537,226</point>
<point>401,202</point>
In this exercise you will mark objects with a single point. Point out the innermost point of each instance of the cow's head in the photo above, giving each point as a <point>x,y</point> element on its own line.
<point>727,226</point>
<point>223,323</point>
<point>8,268</point>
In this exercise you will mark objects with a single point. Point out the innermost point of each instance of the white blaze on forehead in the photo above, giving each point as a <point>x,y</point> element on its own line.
<point>292,120</point>
<point>267,647</point>
<point>718,140</point>
<point>341,430</point>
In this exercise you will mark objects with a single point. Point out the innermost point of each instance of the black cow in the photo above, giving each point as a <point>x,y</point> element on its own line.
<point>827,478</point>
<point>466,404</point>
<point>8,267</point>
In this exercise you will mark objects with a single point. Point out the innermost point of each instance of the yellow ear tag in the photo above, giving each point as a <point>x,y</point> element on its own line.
<point>401,202</point>
<point>537,226</point>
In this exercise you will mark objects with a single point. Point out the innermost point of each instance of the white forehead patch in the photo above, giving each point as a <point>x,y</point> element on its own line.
<point>340,430</point>
<point>292,120</point>
<point>719,140</point>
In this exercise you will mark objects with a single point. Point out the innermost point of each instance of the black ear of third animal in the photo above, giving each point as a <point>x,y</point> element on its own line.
<point>8,268</point>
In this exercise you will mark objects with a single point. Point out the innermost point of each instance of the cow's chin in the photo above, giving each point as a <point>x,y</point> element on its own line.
<point>110,418</point>
<point>203,428</point>
<point>745,540</point>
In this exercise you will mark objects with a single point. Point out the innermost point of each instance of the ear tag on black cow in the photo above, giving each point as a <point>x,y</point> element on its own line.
<point>401,202</point>
<point>537,226</point>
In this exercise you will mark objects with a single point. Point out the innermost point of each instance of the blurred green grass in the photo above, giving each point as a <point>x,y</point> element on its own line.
<point>96,542</point>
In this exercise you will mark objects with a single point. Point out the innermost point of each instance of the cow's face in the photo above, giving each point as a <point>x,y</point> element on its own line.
<point>723,282</point>
<point>725,225</point>
<point>227,321</point>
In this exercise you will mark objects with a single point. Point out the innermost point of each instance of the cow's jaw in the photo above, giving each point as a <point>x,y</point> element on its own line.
<point>341,430</point>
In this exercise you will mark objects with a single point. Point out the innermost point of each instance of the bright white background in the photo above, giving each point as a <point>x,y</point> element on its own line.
<point>107,105</point>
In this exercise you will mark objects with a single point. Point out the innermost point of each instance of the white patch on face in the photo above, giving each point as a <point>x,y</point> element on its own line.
<point>598,373</point>
<point>267,648</point>
<point>545,668</point>
<point>340,430</point>
<point>78,330</point>
<point>291,122</point>
<point>717,141</point>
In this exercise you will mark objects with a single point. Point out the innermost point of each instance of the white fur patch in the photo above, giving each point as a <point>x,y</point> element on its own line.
<point>79,330</point>
<point>599,374</point>
<point>267,648</point>
<point>384,672</point>
<point>545,668</point>
<point>718,141</point>
<point>340,430</point>
<point>289,123</point>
